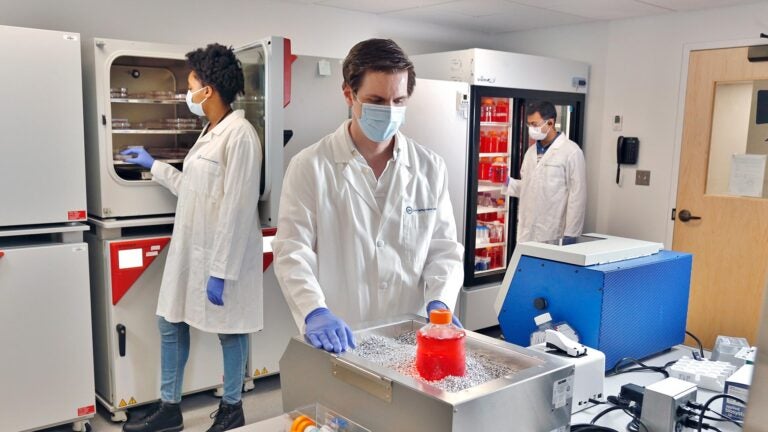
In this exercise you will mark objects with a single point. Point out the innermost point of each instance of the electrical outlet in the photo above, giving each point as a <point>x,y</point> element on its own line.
<point>642,178</point>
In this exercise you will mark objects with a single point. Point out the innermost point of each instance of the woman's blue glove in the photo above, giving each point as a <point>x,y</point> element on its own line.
<point>327,331</point>
<point>437,304</point>
<point>215,290</point>
<point>140,157</point>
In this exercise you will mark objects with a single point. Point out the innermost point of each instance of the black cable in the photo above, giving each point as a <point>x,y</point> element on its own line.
<point>642,367</point>
<point>604,412</point>
<point>709,401</point>
<point>590,428</point>
<point>698,341</point>
<point>724,418</point>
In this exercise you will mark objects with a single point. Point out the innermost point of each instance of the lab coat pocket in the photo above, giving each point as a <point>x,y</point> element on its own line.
<point>205,176</point>
<point>555,175</point>
<point>418,224</point>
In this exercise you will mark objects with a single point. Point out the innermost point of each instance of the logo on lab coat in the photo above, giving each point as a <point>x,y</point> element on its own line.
<point>411,210</point>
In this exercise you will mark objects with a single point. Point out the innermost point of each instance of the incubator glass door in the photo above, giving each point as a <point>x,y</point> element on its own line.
<point>148,109</point>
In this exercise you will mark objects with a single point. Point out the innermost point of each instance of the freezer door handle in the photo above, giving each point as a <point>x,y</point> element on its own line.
<point>121,339</point>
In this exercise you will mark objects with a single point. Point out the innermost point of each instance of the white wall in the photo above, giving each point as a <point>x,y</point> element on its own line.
<point>636,67</point>
<point>314,30</point>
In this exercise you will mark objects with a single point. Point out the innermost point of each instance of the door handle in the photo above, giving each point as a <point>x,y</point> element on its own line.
<point>121,339</point>
<point>686,216</point>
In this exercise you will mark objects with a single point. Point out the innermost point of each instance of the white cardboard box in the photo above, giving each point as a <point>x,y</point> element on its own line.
<point>737,385</point>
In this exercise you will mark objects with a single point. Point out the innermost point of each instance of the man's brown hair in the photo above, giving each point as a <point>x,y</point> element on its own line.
<point>376,55</point>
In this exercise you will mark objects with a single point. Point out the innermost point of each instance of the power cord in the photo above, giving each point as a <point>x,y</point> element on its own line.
<point>629,405</point>
<point>583,427</point>
<point>699,410</point>
<point>622,367</point>
<point>698,341</point>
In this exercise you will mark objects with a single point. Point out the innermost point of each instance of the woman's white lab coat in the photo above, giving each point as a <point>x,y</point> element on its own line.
<point>335,249</point>
<point>216,231</point>
<point>552,192</point>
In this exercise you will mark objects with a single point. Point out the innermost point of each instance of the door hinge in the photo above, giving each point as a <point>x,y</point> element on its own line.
<point>103,120</point>
<point>674,213</point>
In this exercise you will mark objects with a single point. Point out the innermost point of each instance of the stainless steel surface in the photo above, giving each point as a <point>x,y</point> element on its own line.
<point>42,139</point>
<point>363,379</point>
<point>525,399</point>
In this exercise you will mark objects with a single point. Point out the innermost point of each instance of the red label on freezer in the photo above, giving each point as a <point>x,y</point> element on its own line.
<point>268,257</point>
<point>76,215</point>
<point>288,59</point>
<point>129,259</point>
<point>90,409</point>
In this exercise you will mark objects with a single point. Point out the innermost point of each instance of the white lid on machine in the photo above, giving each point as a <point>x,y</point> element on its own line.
<point>590,249</point>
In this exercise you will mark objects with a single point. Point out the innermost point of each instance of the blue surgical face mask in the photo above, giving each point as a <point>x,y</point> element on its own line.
<point>380,122</point>
<point>196,108</point>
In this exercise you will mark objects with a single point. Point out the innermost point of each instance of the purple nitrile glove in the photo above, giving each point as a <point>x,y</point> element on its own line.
<point>215,290</point>
<point>327,331</point>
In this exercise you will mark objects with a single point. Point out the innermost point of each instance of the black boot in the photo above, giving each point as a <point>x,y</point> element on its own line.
<point>164,417</point>
<point>227,417</point>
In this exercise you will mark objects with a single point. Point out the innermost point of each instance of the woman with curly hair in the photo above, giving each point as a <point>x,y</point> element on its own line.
<point>213,276</point>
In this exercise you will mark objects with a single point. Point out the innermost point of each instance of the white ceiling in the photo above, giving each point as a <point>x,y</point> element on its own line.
<point>501,16</point>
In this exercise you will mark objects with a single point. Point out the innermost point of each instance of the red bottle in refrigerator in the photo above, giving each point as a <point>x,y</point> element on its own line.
<point>502,111</point>
<point>485,142</point>
<point>494,142</point>
<point>487,110</point>
<point>495,254</point>
<point>499,170</point>
<point>484,169</point>
<point>503,146</point>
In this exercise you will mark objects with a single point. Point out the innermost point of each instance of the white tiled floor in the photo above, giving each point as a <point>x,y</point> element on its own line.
<point>261,403</point>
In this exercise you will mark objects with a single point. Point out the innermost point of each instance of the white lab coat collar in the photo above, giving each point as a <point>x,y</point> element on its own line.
<point>344,148</point>
<point>556,145</point>
<point>222,126</point>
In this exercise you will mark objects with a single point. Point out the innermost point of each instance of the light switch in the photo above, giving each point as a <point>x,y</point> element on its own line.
<point>642,178</point>
<point>324,68</point>
<point>618,121</point>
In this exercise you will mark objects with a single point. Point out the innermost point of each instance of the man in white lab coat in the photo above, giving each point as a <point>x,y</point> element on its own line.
<point>366,228</point>
<point>552,188</point>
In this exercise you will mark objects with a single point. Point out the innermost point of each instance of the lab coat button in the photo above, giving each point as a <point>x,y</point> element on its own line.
<point>380,244</point>
<point>384,285</point>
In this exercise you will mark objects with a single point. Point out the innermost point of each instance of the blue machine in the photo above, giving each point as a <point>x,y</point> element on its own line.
<point>632,307</point>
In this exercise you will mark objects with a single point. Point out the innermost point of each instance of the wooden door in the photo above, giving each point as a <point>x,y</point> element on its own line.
<point>730,241</point>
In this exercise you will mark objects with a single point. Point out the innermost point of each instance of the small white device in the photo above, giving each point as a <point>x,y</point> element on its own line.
<point>558,341</point>
<point>589,372</point>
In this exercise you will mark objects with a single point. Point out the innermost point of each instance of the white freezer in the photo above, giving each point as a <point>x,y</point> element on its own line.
<point>45,328</point>
<point>504,69</point>
<point>42,128</point>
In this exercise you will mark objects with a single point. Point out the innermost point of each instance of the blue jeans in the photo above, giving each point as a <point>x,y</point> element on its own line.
<point>174,352</point>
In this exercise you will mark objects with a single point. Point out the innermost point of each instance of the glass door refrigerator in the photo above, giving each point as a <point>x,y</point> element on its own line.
<point>469,106</point>
<point>498,140</point>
